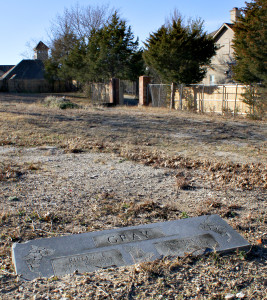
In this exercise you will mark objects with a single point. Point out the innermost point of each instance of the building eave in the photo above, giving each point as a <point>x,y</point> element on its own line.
<point>224,25</point>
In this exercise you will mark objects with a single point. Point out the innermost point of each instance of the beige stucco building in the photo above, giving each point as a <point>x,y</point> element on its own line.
<point>220,70</point>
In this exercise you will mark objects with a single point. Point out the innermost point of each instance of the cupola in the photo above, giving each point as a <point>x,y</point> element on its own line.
<point>41,51</point>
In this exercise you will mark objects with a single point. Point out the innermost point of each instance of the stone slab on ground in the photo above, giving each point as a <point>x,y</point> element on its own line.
<point>91,251</point>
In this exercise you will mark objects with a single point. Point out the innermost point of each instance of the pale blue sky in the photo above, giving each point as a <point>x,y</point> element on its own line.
<point>24,21</point>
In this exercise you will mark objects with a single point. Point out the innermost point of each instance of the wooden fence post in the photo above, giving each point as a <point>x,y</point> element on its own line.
<point>203,96</point>
<point>223,104</point>
<point>235,110</point>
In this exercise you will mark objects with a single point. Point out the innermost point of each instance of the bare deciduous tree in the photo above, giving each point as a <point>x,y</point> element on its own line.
<point>73,29</point>
<point>29,52</point>
<point>80,21</point>
<point>190,23</point>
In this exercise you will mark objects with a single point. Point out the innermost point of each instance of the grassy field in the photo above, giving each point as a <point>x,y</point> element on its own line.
<point>218,165</point>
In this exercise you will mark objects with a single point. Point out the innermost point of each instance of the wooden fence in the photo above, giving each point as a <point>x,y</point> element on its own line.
<point>211,98</point>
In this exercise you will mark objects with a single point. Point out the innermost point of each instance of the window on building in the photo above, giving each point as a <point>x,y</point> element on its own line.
<point>212,79</point>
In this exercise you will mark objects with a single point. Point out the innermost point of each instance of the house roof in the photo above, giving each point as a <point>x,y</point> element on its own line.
<point>41,46</point>
<point>5,68</point>
<point>26,69</point>
<point>223,27</point>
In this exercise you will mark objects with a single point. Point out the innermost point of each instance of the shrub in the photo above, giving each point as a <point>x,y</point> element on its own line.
<point>59,102</point>
<point>87,90</point>
<point>255,98</point>
<point>190,103</point>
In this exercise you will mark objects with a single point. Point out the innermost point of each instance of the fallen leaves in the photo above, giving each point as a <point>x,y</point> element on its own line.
<point>259,241</point>
<point>244,176</point>
<point>10,172</point>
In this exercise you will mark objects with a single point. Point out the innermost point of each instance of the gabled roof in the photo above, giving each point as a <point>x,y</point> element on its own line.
<point>26,69</point>
<point>223,27</point>
<point>41,46</point>
<point>5,68</point>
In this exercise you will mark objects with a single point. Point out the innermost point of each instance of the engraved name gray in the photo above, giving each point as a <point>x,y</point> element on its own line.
<point>127,236</point>
<point>87,262</point>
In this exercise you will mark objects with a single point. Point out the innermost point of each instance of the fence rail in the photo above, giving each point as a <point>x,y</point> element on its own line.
<point>99,93</point>
<point>202,98</point>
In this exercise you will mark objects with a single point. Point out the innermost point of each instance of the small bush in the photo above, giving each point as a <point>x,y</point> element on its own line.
<point>190,102</point>
<point>59,102</point>
<point>87,91</point>
<point>255,97</point>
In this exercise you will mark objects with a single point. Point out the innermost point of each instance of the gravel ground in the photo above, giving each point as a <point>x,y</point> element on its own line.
<point>54,185</point>
<point>60,193</point>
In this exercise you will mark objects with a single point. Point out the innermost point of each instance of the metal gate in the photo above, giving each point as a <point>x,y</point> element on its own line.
<point>160,94</point>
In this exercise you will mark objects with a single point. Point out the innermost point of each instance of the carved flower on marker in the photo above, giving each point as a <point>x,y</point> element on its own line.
<point>210,226</point>
<point>138,254</point>
<point>35,255</point>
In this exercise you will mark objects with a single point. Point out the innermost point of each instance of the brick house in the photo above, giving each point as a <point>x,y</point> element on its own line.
<point>220,70</point>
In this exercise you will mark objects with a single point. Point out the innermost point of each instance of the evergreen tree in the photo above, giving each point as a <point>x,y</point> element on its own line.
<point>250,43</point>
<point>179,53</point>
<point>68,34</point>
<point>112,51</point>
<point>74,64</point>
<point>109,51</point>
<point>56,64</point>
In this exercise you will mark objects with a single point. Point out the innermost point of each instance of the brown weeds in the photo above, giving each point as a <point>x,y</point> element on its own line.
<point>10,172</point>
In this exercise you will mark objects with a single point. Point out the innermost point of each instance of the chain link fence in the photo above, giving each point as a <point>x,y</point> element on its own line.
<point>160,94</point>
<point>201,98</point>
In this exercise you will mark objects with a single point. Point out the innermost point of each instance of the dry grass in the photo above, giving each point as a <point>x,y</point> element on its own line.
<point>12,172</point>
<point>200,136</point>
<point>186,144</point>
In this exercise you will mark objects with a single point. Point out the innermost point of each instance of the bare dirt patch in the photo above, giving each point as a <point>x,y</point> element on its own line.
<point>65,172</point>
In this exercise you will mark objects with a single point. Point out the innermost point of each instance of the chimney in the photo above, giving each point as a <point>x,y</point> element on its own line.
<point>235,13</point>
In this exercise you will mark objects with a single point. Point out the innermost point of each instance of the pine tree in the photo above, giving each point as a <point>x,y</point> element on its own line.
<point>113,52</point>
<point>110,51</point>
<point>251,55</point>
<point>250,43</point>
<point>61,47</point>
<point>179,53</point>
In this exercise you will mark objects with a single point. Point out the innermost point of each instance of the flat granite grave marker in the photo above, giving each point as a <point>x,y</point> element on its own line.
<point>91,251</point>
